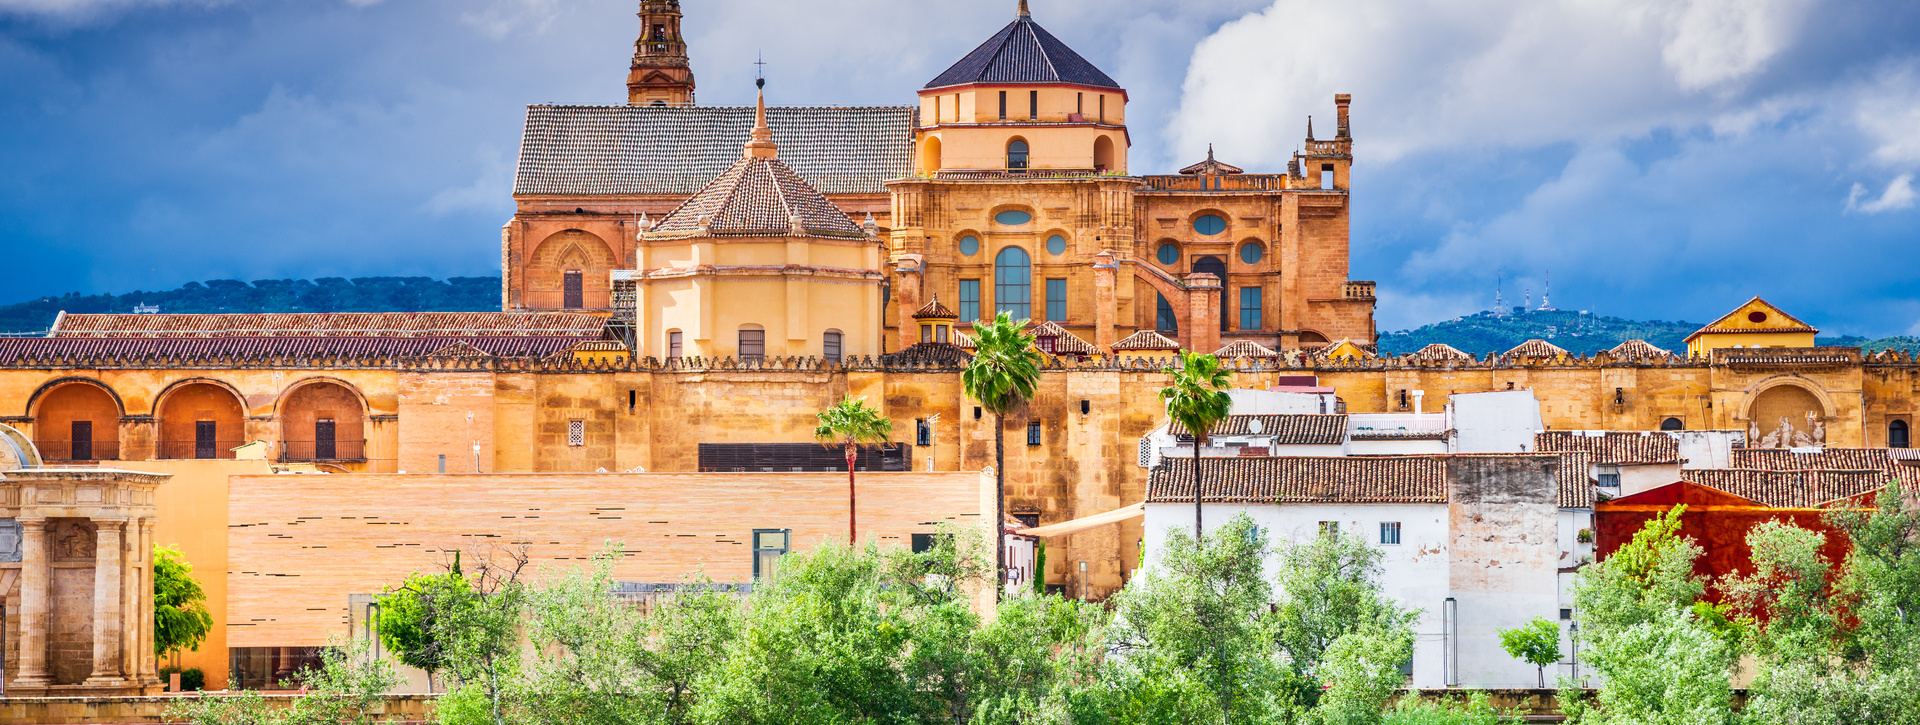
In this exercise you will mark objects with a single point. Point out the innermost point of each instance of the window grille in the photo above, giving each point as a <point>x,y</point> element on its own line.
<point>576,433</point>
<point>830,345</point>
<point>1250,308</point>
<point>753,344</point>
<point>1390,533</point>
<point>1146,453</point>
<point>801,456</point>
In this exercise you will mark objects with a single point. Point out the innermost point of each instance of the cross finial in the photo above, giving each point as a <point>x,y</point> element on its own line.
<point>760,71</point>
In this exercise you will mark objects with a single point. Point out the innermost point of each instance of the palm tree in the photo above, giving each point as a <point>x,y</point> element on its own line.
<point>1001,377</point>
<point>1196,401</point>
<point>849,424</point>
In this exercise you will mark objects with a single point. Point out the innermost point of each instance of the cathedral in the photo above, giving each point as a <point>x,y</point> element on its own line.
<point>1004,187</point>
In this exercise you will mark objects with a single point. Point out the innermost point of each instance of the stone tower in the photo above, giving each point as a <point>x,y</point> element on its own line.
<point>660,74</point>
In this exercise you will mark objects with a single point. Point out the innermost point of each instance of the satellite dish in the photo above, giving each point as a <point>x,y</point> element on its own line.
<point>1255,426</point>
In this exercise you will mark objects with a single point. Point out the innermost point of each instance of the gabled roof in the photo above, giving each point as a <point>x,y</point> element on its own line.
<point>1301,479</point>
<point>329,324</point>
<point>1535,348</point>
<point>1637,350</point>
<point>1742,320</point>
<point>933,310</point>
<point>1064,342</point>
<point>675,150</point>
<point>1289,429</point>
<point>1146,340</point>
<point>1212,167</point>
<point>1789,489</point>
<point>757,197</point>
<point>1440,351</point>
<point>1345,349</point>
<point>1023,52</point>
<point>1244,348</point>
<point>1692,494</point>
<point>1613,448</point>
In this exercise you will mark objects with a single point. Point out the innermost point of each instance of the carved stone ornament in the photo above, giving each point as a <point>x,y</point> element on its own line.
<point>73,540</point>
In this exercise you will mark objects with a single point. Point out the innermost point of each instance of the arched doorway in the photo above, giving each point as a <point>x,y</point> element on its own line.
<point>323,421</point>
<point>1218,268</point>
<point>569,270</point>
<point>201,420</point>
<point>77,420</point>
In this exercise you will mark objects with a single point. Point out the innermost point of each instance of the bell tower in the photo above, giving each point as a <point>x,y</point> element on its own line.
<point>660,75</point>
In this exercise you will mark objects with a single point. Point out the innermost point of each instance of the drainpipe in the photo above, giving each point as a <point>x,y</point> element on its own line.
<point>1450,631</point>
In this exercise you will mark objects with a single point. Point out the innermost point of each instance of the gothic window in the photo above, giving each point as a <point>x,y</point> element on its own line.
<point>969,300</point>
<point>1017,155</point>
<point>1163,319</point>
<point>1898,435</point>
<point>1013,283</point>
<point>830,345</point>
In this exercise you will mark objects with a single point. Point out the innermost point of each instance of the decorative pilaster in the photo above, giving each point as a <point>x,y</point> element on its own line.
<point>1202,331</point>
<point>107,613</point>
<point>36,581</point>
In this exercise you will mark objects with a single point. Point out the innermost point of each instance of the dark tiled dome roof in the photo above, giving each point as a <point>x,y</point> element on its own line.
<point>1023,52</point>
<point>757,197</point>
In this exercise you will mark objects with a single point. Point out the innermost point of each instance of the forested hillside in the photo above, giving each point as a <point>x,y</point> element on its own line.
<point>327,294</point>
<point>1577,332</point>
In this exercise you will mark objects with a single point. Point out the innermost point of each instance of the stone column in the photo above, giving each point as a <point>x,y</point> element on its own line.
<point>149,672</point>
<point>1203,313</point>
<point>36,581</point>
<point>107,612</point>
<point>1105,307</point>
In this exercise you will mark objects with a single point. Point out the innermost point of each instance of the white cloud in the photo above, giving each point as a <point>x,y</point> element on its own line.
<point>1899,195</point>
<point>1717,41</point>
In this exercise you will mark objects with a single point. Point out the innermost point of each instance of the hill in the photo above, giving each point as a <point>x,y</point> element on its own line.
<point>327,294</point>
<point>1578,332</point>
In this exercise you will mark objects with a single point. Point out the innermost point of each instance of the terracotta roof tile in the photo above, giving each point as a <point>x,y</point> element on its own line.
<point>1793,324</point>
<point>1637,350</point>
<point>1063,342</point>
<point>1212,166</point>
<point>1575,476</point>
<point>933,310</point>
<point>1614,448</point>
<point>1297,429</point>
<point>316,324</point>
<point>1789,489</point>
<point>1535,348</point>
<point>1244,348</point>
<point>756,197</point>
<point>1842,459</point>
<point>676,150</point>
<point>1023,52</point>
<point>1146,340</point>
<point>1440,351</point>
<point>928,354</point>
<point>1357,479</point>
<point>28,350</point>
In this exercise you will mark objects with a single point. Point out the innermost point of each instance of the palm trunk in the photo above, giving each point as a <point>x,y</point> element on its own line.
<point>853,499</point>
<point>999,506</point>
<point>1197,538</point>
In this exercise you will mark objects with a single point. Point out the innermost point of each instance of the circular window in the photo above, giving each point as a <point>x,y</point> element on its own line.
<point>1757,317</point>
<point>1210,224</point>
<point>1168,254</point>
<point>969,246</point>
<point>1013,217</point>
<point>1056,244</point>
<point>1251,253</point>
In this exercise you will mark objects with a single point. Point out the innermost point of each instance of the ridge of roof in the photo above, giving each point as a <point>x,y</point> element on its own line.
<point>1023,52</point>
<point>757,197</point>
<point>1146,340</point>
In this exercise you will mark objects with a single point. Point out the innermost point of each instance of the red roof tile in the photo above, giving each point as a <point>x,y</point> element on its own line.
<point>329,324</point>
<point>1614,448</point>
<point>1357,479</point>
<point>1146,340</point>
<point>1789,489</point>
<point>110,350</point>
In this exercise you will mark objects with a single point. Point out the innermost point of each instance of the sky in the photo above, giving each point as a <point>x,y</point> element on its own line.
<point>1658,159</point>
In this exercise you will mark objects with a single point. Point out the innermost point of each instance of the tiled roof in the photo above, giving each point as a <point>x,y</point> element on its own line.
<point>1244,348</point>
<point>1023,52</point>
<point>935,311</point>
<point>1299,479</point>
<point>928,354</point>
<point>1064,342</point>
<point>757,197</point>
<point>1789,489</point>
<point>1535,348</point>
<point>1297,429</point>
<point>1832,459</point>
<point>23,350</point>
<point>1613,448</point>
<point>371,324</point>
<point>676,150</point>
<point>1637,350</point>
<point>1440,351</point>
<point>964,341</point>
<point>1575,476</point>
<point>1146,340</point>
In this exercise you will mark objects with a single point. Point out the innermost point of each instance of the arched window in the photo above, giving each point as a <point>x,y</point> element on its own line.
<point>930,155</point>
<point>1218,268</point>
<point>1017,155</point>
<point>1013,283</point>
<point>1672,424</point>
<point>830,345</point>
<point>1103,154</point>
<point>1163,319</point>
<point>1897,435</point>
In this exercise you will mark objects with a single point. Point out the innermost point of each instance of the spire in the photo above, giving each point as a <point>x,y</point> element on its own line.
<point>1309,128</point>
<point>1209,152</point>
<point>762,144</point>
<point>1023,10</point>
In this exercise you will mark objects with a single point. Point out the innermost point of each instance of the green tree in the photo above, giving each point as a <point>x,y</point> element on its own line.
<point>1001,377</point>
<point>849,424</point>
<point>478,627</point>
<point>1536,643</point>
<point>409,617</point>
<point>180,616</point>
<point>1196,401</point>
<point>349,688</point>
<point>1329,589</point>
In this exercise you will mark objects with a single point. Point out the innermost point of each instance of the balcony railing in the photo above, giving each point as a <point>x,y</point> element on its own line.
<point>79,450</point>
<point>198,449</point>
<point>335,450</point>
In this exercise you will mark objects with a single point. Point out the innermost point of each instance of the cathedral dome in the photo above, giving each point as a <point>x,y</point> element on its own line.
<point>1023,53</point>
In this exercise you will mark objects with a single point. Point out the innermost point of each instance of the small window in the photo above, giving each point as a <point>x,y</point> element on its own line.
<point>1103,108</point>
<point>1163,317</point>
<point>1566,614</point>
<point>1033,105</point>
<point>1057,300</point>
<point>922,432</point>
<point>1326,176</point>
<point>1252,253</point>
<point>1013,217</point>
<point>926,333</point>
<point>1898,435</point>
<point>1672,424</point>
<point>1080,103</point>
<point>1168,254</point>
<point>830,345</point>
<point>1609,480</point>
<point>1329,527</point>
<point>1250,308</point>
<point>576,433</point>
<point>1003,105</point>
<point>969,246</point>
<point>1016,157</point>
<point>1056,245</point>
<point>1390,533</point>
<point>940,334</point>
<point>673,345</point>
<point>1210,225</point>
<point>969,300</point>
<point>753,344</point>
<point>768,546</point>
<point>1033,433</point>
<point>923,543</point>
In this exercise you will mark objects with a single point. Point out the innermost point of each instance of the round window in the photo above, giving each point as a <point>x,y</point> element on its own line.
<point>1210,224</point>
<point>1757,317</point>
<point>1056,244</point>
<point>1251,253</point>
<point>1168,254</point>
<point>1013,218</point>
<point>969,246</point>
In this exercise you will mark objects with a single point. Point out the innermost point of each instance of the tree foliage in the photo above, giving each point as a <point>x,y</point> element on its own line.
<point>349,688</point>
<point>180,616</point>
<point>1196,399</point>
<point>1536,643</point>
<point>409,616</point>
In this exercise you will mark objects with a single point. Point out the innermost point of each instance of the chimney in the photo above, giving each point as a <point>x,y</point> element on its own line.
<point>1419,395</point>
<point>1341,101</point>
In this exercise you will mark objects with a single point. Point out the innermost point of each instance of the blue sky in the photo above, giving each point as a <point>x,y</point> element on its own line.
<point>1664,159</point>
